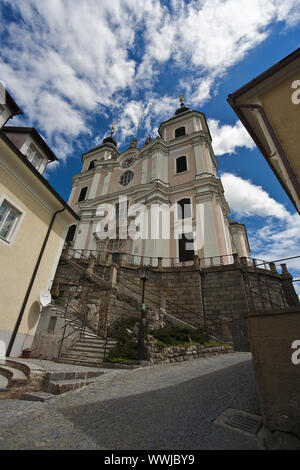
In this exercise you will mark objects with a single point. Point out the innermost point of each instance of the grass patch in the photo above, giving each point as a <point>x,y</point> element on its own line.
<point>179,336</point>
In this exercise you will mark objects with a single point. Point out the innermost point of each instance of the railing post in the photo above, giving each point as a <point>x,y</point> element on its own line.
<point>92,261</point>
<point>159,262</point>
<point>273,267</point>
<point>235,258</point>
<point>113,275</point>
<point>288,288</point>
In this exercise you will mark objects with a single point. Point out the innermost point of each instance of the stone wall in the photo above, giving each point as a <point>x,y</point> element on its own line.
<point>271,337</point>
<point>218,297</point>
<point>169,354</point>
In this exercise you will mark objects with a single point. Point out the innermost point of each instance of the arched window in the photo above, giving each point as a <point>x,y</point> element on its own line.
<point>126,178</point>
<point>92,165</point>
<point>181,164</point>
<point>179,132</point>
<point>82,194</point>
<point>71,233</point>
<point>184,208</point>
<point>186,247</point>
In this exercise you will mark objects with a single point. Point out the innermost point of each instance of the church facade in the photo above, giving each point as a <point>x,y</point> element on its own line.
<point>167,191</point>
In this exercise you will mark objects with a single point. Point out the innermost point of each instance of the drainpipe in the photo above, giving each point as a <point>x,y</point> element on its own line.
<point>276,141</point>
<point>28,292</point>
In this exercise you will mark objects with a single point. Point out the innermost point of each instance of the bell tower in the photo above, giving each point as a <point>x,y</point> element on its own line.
<point>177,173</point>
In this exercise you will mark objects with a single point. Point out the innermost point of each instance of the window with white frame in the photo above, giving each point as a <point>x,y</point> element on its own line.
<point>34,157</point>
<point>9,217</point>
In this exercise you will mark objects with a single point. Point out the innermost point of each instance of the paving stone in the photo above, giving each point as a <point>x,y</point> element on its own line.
<point>36,396</point>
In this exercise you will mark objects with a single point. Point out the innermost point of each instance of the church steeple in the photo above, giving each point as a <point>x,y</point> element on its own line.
<point>182,108</point>
<point>110,138</point>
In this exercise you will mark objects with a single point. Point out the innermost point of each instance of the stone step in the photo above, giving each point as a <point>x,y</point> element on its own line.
<point>71,355</point>
<point>84,354</point>
<point>15,376</point>
<point>95,340</point>
<point>87,348</point>
<point>81,362</point>
<point>58,387</point>
<point>100,365</point>
<point>3,382</point>
<point>37,396</point>
<point>71,375</point>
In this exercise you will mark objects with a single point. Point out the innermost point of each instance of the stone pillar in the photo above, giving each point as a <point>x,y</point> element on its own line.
<point>69,247</point>
<point>113,275</point>
<point>196,261</point>
<point>288,288</point>
<point>92,260</point>
<point>273,267</point>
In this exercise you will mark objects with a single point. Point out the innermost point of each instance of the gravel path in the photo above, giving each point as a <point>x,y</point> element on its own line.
<point>169,406</point>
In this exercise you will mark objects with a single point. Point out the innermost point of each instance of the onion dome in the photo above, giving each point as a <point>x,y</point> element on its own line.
<point>182,108</point>
<point>110,139</point>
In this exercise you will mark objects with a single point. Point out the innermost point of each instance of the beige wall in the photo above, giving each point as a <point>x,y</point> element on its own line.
<point>284,116</point>
<point>19,257</point>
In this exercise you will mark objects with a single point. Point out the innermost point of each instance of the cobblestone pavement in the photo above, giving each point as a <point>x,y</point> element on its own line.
<point>170,406</point>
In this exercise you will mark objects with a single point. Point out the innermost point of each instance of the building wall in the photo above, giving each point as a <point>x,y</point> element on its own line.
<point>278,378</point>
<point>19,257</point>
<point>215,297</point>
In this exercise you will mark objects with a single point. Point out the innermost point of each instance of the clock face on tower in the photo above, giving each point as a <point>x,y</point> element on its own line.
<point>127,161</point>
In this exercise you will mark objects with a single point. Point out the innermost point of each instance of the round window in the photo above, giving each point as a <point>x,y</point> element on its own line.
<point>126,178</point>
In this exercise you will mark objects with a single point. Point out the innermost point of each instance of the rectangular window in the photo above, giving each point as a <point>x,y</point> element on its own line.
<point>33,156</point>
<point>8,219</point>
<point>181,165</point>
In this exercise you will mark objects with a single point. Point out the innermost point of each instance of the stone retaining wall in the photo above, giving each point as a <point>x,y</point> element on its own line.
<point>169,354</point>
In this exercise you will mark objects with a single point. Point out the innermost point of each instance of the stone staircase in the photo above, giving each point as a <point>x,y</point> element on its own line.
<point>59,382</point>
<point>87,351</point>
<point>17,377</point>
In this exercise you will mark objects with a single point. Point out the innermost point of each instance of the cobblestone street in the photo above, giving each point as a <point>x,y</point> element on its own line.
<point>169,406</point>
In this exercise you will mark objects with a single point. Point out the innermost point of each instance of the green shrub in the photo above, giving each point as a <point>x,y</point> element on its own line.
<point>177,335</point>
<point>126,349</point>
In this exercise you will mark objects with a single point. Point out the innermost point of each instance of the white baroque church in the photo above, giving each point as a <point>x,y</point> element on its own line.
<point>178,169</point>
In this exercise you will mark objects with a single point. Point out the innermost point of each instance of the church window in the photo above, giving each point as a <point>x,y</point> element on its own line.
<point>181,165</point>
<point>71,233</point>
<point>126,178</point>
<point>186,247</point>
<point>91,165</point>
<point>82,194</point>
<point>184,208</point>
<point>179,132</point>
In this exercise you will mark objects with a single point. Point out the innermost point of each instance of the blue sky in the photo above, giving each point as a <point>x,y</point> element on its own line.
<point>75,67</point>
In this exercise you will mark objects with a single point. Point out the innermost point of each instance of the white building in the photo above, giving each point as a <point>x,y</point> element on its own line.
<point>178,168</point>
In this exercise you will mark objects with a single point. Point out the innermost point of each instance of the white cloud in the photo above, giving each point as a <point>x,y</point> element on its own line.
<point>279,236</point>
<point>278,241</point>
<point>91,53</point>
<point>227,138</point>
<point>247,199</point>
